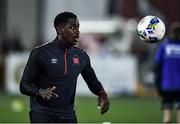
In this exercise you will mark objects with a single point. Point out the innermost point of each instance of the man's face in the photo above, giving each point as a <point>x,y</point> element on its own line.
<point>70,31</point>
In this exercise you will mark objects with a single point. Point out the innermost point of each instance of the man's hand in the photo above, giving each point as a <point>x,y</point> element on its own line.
<point>48,93</point>
<point>103,102</point>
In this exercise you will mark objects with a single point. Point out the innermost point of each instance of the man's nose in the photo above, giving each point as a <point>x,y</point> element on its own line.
<point>77,31</point>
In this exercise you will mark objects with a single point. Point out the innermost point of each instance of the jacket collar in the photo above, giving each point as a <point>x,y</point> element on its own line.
<point>60,44</point>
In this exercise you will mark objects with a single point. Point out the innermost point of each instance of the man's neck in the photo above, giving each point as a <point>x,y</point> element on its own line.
<point>63,42</point>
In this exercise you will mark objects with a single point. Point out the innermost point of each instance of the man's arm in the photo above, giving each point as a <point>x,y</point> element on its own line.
<point>90,78</point>
<point>31,71</point>
<point>96,87</point>
<point>30,75</point>
<point>158,59</point>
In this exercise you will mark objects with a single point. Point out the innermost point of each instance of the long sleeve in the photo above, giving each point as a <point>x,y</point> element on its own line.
<point>31,71</point>
<point>157,68</point>
<point>91,79</point>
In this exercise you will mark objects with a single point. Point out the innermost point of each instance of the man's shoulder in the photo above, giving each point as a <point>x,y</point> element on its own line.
<point>82,52</point>
<point>44,45</point>
<point>79,49</point>
<point>41,48</point>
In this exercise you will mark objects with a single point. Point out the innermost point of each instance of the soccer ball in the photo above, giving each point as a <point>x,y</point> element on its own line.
<point>151,29</point>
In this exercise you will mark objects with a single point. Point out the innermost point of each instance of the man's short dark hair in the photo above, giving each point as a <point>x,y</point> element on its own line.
<point>63,18</point>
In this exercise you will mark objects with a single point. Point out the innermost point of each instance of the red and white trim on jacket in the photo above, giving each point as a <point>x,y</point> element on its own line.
<point>65,62</point>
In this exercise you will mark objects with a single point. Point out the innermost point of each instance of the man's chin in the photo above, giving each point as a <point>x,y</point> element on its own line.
<point>73,43</point>
<point>76,40</point>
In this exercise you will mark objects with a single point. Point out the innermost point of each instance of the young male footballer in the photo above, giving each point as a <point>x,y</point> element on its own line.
<point>50,75</point>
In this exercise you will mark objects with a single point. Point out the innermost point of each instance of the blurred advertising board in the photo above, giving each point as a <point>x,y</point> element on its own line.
<point>14,67</point>
<point>117,74</point>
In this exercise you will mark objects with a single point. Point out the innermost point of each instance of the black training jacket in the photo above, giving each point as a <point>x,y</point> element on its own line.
<point>53,64</point>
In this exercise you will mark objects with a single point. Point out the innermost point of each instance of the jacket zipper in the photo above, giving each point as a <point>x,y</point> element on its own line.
<point>65,62</point>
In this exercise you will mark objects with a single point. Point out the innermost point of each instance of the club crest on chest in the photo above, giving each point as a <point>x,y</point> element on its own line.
<point>75,60</point>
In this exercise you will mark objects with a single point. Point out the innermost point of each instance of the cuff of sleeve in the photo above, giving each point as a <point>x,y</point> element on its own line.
<point>102,93</point>
<point>38,91</point>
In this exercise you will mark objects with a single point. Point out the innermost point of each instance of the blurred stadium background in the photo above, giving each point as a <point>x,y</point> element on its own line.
<point>108,33</point>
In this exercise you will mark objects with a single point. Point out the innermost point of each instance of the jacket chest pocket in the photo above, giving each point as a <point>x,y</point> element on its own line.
<point>54,68</point>
<point>74,66</point>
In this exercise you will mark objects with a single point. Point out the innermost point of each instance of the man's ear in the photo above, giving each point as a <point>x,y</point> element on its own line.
<point>60,29</point>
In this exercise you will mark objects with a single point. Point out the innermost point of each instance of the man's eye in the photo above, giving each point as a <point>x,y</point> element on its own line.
<point>72,27</point>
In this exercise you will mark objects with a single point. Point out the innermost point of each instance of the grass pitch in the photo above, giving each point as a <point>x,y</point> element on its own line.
<point>14,109</point>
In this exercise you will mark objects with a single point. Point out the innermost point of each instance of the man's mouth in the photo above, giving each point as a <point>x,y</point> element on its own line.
<point>76,38</point>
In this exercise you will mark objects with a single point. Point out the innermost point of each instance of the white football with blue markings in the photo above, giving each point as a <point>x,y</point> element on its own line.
<point>151,29</point>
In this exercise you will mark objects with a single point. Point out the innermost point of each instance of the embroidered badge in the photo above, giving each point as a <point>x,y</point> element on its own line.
<point>76,60</point>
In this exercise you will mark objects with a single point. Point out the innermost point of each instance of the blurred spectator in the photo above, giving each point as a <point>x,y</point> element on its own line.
<point>167,73</point>
<point>143,52</point>
<point>8,43</point>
